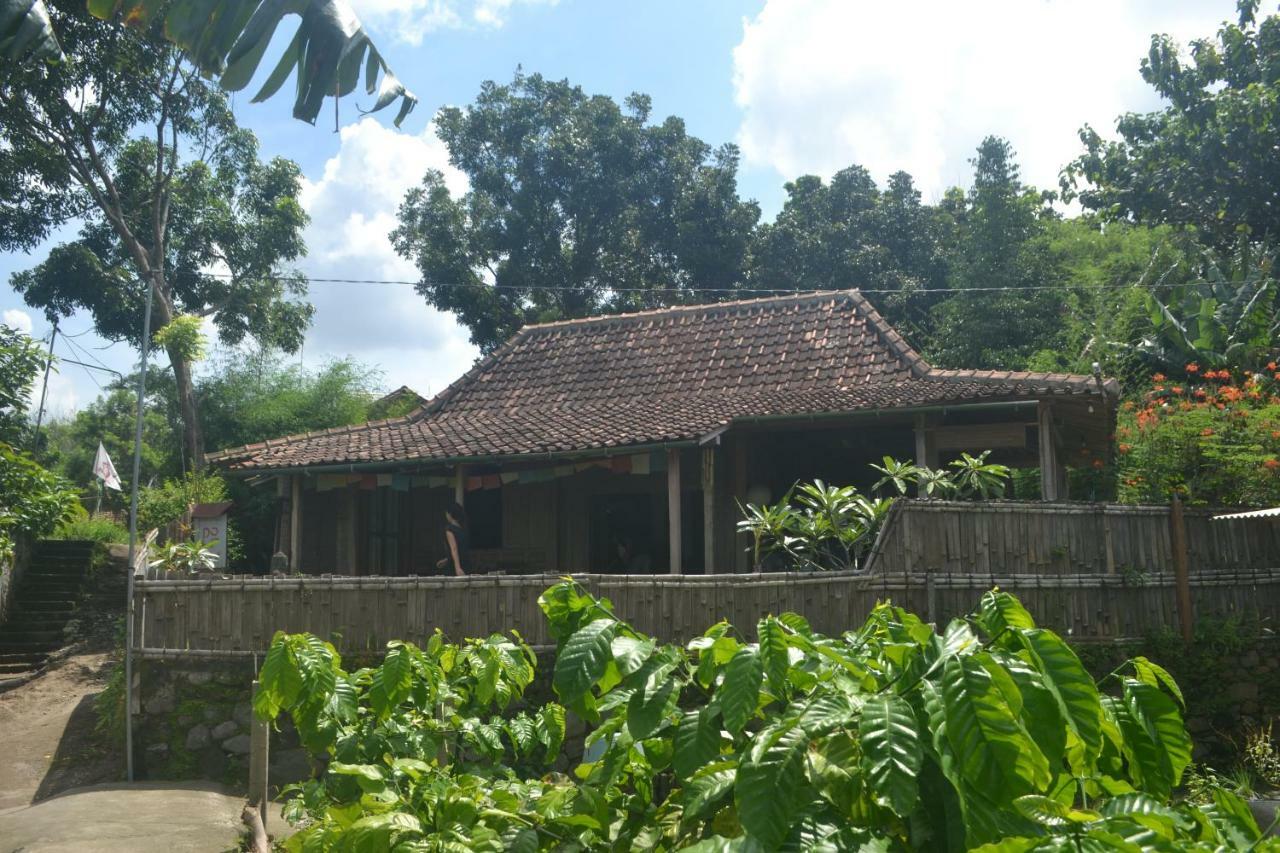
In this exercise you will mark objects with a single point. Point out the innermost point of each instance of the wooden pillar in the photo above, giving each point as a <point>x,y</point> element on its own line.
<point>1048,454</point>
<point>281,538</point>
<point>295,524</point>
<point>1181,572</point>
<point>460,485</point>
<point>709,510</point>
<point>740,556</point>
<point>259,745</point>
<point>673,510</point>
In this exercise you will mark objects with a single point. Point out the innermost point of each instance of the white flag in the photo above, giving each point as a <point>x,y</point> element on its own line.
<point>105,471</point>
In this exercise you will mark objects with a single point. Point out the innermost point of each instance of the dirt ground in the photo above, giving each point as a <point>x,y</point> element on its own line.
<point>48,733</point>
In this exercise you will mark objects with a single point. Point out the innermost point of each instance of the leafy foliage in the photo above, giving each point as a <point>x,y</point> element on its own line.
<point>20,363</point>
<point>821,527</point>
<point>577,206</point>
<point>891,737</point>
<point>327,51</point>
<point>33,501</point>
<point>189,558</point>
<point>159,505</point>
<point>1214,439</point>
<point>1206,160</point>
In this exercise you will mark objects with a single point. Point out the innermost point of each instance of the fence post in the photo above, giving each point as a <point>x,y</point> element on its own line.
<point>259,743</point>
<point>1181,573</point>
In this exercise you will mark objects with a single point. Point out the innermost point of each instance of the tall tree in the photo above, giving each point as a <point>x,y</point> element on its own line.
<point>577,206</point>
<point>998,315</point>
<point>1208,160</point>
<point>849,233</point>
<point>186,207</point>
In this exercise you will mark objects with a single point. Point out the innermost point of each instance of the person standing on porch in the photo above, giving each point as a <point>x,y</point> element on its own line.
<point>457,540</point>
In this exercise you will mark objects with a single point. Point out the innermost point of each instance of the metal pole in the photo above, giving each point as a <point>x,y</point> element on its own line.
<point>48,362</point>
<point>133,538</point>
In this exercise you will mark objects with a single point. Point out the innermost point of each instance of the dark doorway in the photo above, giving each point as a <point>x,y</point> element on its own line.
<point>622,536</point>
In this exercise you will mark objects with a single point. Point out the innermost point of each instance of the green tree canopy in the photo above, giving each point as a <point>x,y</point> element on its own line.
<point>128,139</point>
<point>1209,159</point>
<point>577,206</point>
<point>1000,258</point>
<point>848,233</point>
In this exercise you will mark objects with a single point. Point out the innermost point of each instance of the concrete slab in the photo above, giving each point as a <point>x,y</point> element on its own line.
<point>164,817</point>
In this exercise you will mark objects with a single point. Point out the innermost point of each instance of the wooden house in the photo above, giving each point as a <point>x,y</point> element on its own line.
<point>625,443</point>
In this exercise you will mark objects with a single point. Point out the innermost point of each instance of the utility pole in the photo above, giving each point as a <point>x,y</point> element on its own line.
<point>133,537</point>
<point>48,363</point>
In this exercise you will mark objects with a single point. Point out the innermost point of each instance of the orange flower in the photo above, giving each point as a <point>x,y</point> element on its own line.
<point>1201,393</point>
<point>1193,368</point>
<point>1275,433</point>
<point>1157,377</point>
<point>1271,464</point>
<point>1271,365</point>
<point>1125,448</point>
<point>1206,431</point>
<point>1098,463</point>
<point>1177,389</point>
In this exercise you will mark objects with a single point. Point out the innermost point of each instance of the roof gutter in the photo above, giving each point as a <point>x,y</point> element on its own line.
<point>440,462</point>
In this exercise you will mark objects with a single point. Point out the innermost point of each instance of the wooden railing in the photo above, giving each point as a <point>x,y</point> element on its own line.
<point>230,617</point>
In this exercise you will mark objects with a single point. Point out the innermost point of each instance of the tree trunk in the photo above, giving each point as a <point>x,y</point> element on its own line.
<point>192,435</point>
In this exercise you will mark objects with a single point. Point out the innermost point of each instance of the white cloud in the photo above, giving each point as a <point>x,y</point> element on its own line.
<point>353,211</point>
<point>823,84</point>
<point>16,319</point>
<point>411,20</point>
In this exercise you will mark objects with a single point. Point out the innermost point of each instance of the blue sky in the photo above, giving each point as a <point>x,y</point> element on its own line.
<point>804,86</point>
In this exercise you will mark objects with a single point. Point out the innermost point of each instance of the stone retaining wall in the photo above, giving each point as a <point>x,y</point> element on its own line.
<point>192,722</point>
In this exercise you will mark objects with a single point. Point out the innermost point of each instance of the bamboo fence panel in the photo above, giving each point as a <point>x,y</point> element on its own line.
<point>239,615</point>
<point>993,537</point>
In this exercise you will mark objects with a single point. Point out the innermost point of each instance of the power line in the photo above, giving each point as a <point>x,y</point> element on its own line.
<point>742,291</point>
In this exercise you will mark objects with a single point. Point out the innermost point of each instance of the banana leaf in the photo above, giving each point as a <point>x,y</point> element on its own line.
<point>228,39</point>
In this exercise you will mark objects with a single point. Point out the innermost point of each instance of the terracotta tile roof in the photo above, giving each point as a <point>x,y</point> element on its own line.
<point>654,377</point>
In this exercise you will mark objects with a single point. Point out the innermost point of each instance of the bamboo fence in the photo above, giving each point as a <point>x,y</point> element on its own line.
<point>231,617</point>
<point>1090,572</point>
<point>1062,539</point>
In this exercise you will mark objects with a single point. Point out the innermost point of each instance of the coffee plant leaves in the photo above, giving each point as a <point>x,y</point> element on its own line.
<point>771,784</point>
<point>986,735</point>
<point>697,740</point>
<point>583,660</point>
<point>1157,676</point>
<point>739,695</point>
<point>1072,688</point>
<point>891,751</point>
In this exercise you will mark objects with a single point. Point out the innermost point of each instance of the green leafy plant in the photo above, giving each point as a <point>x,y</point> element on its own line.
<point>183,335</point>
<point>190,557</point>
<point>33,501</point>
<point>987,733</point>
<point>93,529</point>
<point>169,501</point>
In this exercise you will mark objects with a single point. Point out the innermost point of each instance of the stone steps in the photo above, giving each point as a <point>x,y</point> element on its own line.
<point>44,602</point>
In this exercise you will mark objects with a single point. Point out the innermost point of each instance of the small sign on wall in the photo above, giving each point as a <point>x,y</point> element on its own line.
<point>209,525</point>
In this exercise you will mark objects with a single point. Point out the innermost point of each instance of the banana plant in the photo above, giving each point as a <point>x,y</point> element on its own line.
<point>1227,319</point>
<point>986,733</point>
<point>227,39</point>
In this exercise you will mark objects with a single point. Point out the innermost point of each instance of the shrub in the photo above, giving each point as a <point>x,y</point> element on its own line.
<point>33,501</point>
<point>894,736</point>
<point>168,502</point>
<point>1215,442</point>
<point>98,529</point>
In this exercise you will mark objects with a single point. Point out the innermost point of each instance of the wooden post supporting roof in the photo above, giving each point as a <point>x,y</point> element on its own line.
<point>295,524</point>
<point>1049,476</point>
<point>708,510</point>
<point>673,510</point>
<point>739,448</point>
<point>460,485</point>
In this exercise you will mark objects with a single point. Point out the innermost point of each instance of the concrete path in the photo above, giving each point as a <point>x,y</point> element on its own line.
<point>165,817</point>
